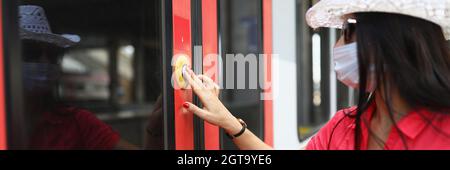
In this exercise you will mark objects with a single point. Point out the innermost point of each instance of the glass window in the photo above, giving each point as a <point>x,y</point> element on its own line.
<point>92,73</point>
<point>241,33</point>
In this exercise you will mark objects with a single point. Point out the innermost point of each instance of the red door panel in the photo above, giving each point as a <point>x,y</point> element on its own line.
<point>210,62</point>
<point>182,43</point>
<point>268,102</point>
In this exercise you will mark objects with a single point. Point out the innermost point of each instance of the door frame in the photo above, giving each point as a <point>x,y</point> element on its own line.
<point>11,91</point>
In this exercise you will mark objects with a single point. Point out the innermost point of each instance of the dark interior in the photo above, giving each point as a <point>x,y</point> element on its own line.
<point>109,26</point>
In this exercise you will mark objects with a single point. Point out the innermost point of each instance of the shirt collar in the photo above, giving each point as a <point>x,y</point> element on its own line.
<point>415,122</point>
<point>412,124</point>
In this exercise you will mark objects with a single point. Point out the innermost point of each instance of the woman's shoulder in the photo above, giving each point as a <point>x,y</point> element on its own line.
<point>344,116</point>
<point>96,133</point>
<point>77,115</point>
<point>347,112</point>
<point>72,111</point>
<point>336,127</point>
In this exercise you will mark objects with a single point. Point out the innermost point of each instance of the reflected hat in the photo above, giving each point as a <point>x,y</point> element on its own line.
<point>329,13</point>
<point>34,26</point>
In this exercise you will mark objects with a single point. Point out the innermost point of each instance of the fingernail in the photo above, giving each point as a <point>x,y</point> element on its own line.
<point>186,105</point>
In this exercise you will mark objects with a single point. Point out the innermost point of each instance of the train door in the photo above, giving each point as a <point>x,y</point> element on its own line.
<point>204,32</point>
<point>123,69</point>
<point>110,77</point>
<point>193,26</point>
<point>194,37</point>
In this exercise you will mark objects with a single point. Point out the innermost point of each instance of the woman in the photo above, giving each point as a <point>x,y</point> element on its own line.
<point>396,54</point>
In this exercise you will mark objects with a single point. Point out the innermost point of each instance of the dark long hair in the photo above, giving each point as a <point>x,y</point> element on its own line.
<point>410,55</point>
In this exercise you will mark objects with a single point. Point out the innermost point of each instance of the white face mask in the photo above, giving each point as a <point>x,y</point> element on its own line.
<point>347,69</point>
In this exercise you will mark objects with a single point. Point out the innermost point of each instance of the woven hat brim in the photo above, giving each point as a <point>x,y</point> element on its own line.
<point>63,41</point>
<point>329,13</point>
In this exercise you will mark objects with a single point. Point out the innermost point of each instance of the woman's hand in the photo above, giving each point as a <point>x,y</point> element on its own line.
<point>214,111</point>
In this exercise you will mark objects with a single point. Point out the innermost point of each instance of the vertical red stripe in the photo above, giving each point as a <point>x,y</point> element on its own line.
<point>268,102</point>
<point>210,62</point>
<point>2,88</point>
<point>184,128</point>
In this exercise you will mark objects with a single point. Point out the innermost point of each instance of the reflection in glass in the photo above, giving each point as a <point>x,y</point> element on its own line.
<point>99,89</point>
<point>240,27</point>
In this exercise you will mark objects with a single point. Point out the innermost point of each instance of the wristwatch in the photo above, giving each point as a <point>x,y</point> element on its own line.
<point>244,127</point>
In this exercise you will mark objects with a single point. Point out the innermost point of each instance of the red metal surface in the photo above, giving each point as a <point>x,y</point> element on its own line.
<point>210,62</point>
<point>268,49</point>
<point>182,43</point>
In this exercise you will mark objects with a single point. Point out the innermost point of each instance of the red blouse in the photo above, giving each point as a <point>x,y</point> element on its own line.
<point>73,128</point>
<point>422,130</point>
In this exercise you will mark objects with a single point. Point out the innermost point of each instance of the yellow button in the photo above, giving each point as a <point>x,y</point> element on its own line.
<point>180,69</point>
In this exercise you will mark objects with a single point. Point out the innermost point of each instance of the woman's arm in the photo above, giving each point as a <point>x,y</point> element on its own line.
<point>217,114</point>
<point>248,140</point>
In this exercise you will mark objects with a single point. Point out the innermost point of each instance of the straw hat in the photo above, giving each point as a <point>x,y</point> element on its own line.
<point>34,26</point>
<point>329,13</point>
